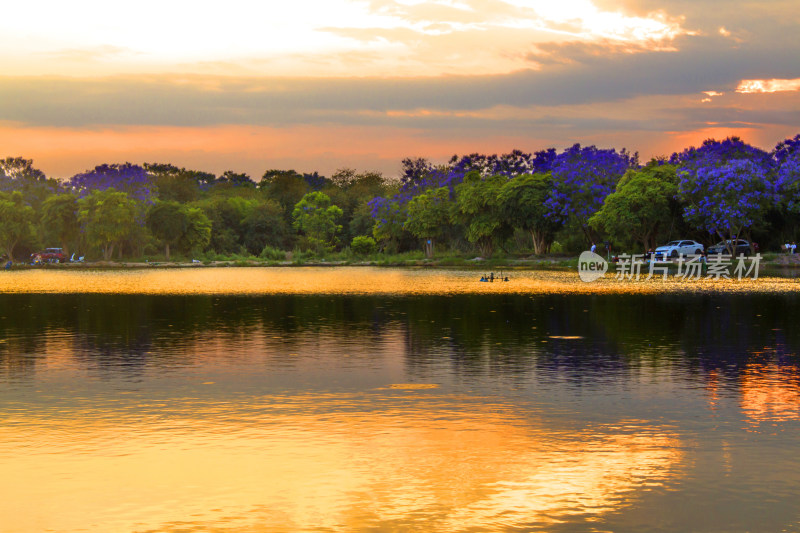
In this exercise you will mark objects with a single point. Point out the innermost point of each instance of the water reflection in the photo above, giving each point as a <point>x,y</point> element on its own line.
<point>508,334</point>
<point>334,461</point>
<point>550,412</point>
<point>770,393</point>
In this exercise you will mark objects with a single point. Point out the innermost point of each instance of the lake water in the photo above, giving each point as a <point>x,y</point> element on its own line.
<point>355,399</point>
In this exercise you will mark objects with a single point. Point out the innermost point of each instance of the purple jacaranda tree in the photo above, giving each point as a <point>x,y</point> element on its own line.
<point>417,176</point>
<point>716,153</point>
<point>786,148</point>
<point>787,157</point>
<point>582,178</point>
<point>389,215</point>
<point>726,186</point>
<point>131,179</point>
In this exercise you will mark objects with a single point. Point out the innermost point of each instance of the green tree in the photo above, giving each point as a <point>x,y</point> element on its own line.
<point>478,208</point>
<point>352,191</point>
<point>167,222</point>
<point>388,220</point>
<point>235,179</point>
<point>107,218</point>
<point>19,174</point>
<point>197,234</point>
<point>362,222</point>
<point>265,226</point>
<point>59,219</point>
<point>317,219</point>
<point>286,187</point>
<point>642,206</point>
<point>522,202</point>
<point>16,221</point>
<point>19,168</point>
<point>227,214</point>
<point>178,184</point>
<point>428,216</point>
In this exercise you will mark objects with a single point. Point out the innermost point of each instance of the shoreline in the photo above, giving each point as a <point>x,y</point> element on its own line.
<point>445,262</point>
<point>543,263</point>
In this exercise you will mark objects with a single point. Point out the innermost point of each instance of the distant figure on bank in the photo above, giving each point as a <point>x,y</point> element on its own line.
<point>594,247</point>
<point>794,246</point>
<point>491,277</point>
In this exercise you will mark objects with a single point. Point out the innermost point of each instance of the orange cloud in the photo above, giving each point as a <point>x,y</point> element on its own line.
<point>768,86</point>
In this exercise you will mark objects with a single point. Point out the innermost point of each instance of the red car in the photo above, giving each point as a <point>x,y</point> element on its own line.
<point>49,255</point>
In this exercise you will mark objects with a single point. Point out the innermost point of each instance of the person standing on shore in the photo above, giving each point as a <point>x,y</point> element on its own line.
<point>594,247</point>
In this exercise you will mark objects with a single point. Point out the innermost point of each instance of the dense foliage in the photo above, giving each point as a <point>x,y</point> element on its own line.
<point>479,204</point>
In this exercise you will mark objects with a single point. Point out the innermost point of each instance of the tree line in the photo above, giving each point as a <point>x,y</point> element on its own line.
<point>519,202</point>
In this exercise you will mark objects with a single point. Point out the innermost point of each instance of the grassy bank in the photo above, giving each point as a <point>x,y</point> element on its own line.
<point>408,259</point>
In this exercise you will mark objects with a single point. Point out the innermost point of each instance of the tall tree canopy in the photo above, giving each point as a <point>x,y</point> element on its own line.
<point>106,218</point>
<point>317,219</point>
<point>59,220</point>
<point>478,207</point>
<point>726,186</point>
<point>523,203</point>
<point>641,207</point>
<point>16,221</point>
<point>428,216</point>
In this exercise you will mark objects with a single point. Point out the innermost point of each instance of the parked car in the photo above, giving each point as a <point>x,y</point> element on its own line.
<point>673,249</point>
<point>742,247</point>
<point>49,255</point>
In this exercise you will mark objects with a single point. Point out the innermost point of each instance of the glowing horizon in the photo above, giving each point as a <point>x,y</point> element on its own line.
<point>318,86</point>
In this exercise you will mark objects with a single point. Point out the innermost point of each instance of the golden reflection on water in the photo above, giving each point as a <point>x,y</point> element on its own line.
<point>436,463</point>
<point>352,280</point>
<point>770,393</point>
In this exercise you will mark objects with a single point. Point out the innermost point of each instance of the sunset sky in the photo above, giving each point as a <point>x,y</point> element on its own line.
<point>320,85</point>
